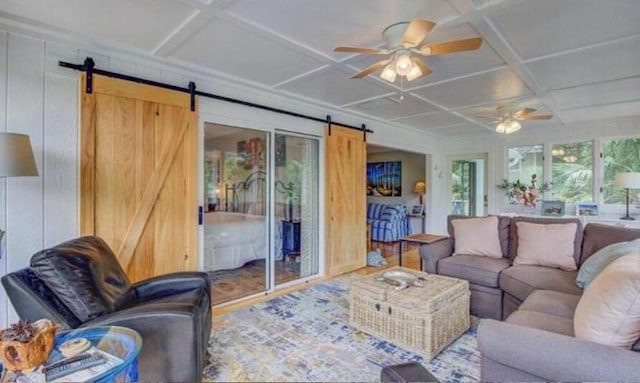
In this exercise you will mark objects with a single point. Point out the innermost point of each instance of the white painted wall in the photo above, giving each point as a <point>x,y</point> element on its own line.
<point>39,98</point>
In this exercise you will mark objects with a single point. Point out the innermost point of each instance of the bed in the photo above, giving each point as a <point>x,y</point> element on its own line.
<point>233,239</point>
<point>239,233</point>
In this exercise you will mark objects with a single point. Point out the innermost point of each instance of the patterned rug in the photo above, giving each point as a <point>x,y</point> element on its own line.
<point>305,336</point>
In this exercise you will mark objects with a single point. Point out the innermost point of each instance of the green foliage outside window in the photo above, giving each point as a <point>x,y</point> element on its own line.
<point>618,156</point>
<point>572,171</point>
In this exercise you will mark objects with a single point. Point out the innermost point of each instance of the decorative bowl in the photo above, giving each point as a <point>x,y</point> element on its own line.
<point>17,355</point>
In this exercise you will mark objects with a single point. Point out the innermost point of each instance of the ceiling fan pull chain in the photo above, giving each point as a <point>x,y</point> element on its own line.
<point>401,89</point>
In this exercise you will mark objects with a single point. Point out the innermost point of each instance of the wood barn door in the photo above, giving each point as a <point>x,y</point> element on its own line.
<point>138,176</point>
<point>345,240</point>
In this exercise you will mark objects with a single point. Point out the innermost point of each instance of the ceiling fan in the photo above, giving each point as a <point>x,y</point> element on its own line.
<point>509,116</point>
<point>403,42</point>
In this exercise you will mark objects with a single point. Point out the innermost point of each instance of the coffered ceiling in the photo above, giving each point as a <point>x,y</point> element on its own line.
<point>576,59</point>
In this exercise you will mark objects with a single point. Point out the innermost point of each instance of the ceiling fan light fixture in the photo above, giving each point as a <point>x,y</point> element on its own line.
<point>388,73</point>
<point>404,64</point>
<point>508,126</point>
<point>414,73</point>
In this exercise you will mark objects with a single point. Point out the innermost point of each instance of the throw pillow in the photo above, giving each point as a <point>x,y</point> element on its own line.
<point>602,258</point>
<point>609,310</point>
<point>548,245</point>
<point>477,236</point>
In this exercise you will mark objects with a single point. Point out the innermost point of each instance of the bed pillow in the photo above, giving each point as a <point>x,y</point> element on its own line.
<point>609,310</point>
<point>549,245</point>
<point>477,236</point>
<point>602,258</point>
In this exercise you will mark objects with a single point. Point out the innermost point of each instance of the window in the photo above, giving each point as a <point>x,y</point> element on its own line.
<point>525,161</point>
<point>622,155</point>
<point>572,171</point>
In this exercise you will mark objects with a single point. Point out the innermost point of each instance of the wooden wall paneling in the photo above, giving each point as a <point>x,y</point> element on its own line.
<point>345,242</point>
<point>3,184</point>
<point>25,86</point>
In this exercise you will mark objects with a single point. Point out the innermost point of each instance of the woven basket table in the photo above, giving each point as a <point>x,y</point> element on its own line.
<point>422,319</point>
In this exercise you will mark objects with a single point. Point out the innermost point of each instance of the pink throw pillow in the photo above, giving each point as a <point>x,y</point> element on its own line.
<point>548,245</point>
<point>477,236</point>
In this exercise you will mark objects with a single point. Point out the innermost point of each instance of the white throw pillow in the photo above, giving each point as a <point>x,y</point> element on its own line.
<point>548,245</point>
<point>477,236</point>
<point>609,310</point>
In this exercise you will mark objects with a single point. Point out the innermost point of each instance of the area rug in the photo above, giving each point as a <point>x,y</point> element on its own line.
<point>305,336</point>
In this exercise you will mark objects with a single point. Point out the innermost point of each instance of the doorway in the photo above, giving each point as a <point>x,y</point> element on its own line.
<point>468,185</point>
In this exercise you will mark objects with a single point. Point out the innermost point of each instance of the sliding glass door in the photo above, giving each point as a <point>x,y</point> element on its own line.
<point>296,207</point>
<point>258,234</point>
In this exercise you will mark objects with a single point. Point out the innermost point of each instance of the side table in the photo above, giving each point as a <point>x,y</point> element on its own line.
<point>421,238</point>
<point>121,342</point>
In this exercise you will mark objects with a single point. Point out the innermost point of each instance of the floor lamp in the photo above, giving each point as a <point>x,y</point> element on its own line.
<point>16,158</point>
<point>627,181</point>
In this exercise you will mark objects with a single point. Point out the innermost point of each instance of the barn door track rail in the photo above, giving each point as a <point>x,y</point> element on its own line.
<point>89,67</point>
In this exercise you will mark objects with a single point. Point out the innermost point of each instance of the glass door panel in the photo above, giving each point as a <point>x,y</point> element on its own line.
<point>296,207</point>
<point>236,218</point>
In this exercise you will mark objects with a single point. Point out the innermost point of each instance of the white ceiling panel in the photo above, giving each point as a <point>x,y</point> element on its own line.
<point>335,87</point>
<point>461,130</point>
<point>432,120</point>
<point>598,94</point>
<point>497,85</point>
<point>627,109</point>
<point>142,23</point>
<point>393,107</point>
<point>249,55</point>
<point>605,63</point>
<point>323,25</point>
<point>536,28</point>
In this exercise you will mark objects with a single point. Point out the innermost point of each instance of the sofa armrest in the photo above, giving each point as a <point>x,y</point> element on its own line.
<point>169,284</point>
<point>551,356</point>
<point>433,252</point>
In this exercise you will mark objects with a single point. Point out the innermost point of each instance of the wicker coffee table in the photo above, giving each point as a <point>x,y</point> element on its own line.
<point>422,319</point>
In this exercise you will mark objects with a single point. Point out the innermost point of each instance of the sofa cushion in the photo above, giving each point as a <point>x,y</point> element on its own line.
<point>551,302</point>
<point>602,258</point>
<point>542,321</point>
<point>475,269</point>
<point>514,240</point>
<point>503,230</point>
<point>598,236</point>
<point>84,274</point>
<point>521,280</point>
<point>548,245</point>
<point>609,311</point>
<point>477,236</point>
<point>392,213</point>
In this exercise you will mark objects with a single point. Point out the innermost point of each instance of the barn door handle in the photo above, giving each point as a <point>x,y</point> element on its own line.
<point>389,310</point>
<point>378,306</point>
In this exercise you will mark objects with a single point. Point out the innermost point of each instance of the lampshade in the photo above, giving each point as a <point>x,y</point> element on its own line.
<point>420,187</point>
<point>388,73</point>
<point>627,180</point>
<point>403,64</point>
<point>16,156</point>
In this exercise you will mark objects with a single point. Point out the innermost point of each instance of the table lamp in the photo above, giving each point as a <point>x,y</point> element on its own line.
<point>627,181</point>
<point>420,188</point>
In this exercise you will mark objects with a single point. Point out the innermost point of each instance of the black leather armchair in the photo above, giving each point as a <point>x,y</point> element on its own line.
<point>80,283</point>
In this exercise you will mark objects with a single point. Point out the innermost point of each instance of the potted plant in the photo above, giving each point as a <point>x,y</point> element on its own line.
<point>520,193</point>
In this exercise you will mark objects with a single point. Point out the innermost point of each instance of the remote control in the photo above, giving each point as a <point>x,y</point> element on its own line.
<point>66,369</point>
<point>65,361</point>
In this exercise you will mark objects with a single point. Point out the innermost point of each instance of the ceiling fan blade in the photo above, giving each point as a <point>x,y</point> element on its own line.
<point>372,68</point>
<point>367,51</point>
<point>452,46</point>
<point>416,31</point>
<point>539,117</point>
<point>523,112</point>
<point>423,67</point>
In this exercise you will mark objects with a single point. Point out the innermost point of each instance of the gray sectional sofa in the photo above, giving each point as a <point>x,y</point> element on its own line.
<point>536,341</point>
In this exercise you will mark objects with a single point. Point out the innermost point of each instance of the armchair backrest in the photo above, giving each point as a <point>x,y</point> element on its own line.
<point>84,274</point>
